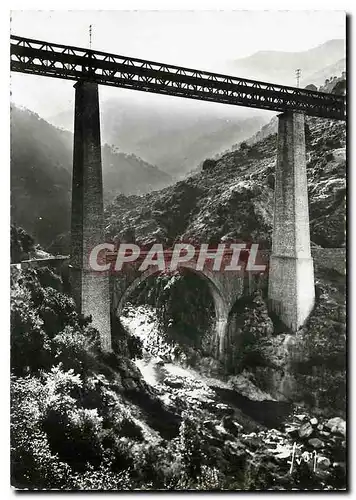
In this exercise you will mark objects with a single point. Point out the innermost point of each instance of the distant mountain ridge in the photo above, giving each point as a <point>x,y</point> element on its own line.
<point>41,175</point>
<point>318,78</point>
<point>177,134</point>
<point>173,137</point>
<point>279,67</point>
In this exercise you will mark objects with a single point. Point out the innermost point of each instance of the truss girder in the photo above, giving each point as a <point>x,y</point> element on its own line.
<point>74,63</point>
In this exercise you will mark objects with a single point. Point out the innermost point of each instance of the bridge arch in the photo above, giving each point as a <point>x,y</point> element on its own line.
<point>221,307</point>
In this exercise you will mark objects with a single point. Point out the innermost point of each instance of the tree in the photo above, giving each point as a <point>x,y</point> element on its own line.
<point>190,448</point>
<point>29,342</point>
<point>21,244</point>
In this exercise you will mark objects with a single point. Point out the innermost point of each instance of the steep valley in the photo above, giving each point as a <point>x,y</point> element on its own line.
<point>160,412</point>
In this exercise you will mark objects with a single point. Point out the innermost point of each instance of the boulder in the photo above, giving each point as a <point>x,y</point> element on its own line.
<point>323,463</point>
<point>305,430</point>
<point>301,417</point>
<point>246,387</point>
<point>175,383</point>
<point>314,421</point>
<point>337,425</point>
<point>316,443</point>
<point>238,426</point>
<point>210,424</point>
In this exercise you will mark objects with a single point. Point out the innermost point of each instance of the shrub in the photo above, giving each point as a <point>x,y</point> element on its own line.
<point>253,152</point>
<point>209,164</point>
<point>57,311</point>
<point>72,431</point>
<point>33,465</point>
<point>75,348</point>
<point>190,447</point>
<point>30,348</point>
<point>102,478</point>
<point>58,418</point>
<point>74,435</point>
<point>47,278</point>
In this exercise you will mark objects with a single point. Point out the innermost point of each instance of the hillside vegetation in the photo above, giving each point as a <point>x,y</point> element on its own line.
<point>231,198</point>
<point>85,420</point>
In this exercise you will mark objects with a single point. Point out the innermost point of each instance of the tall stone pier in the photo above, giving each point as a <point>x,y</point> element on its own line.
<point>291,275</point>
<point>90,289</point>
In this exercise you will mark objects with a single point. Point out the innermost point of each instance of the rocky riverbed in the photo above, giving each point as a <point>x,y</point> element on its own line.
<point>278,444</point>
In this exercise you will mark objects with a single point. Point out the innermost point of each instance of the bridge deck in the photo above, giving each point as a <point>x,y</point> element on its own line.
<point>74,63</point>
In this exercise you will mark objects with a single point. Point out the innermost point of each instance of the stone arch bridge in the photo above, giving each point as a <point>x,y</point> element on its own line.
<point>226,287</point>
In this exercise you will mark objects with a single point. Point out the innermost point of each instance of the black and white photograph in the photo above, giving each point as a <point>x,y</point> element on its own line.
<point>178,244</point>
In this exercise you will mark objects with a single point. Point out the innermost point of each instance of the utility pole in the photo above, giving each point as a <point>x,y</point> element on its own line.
<point>90,33</point>
<point>298,72</point>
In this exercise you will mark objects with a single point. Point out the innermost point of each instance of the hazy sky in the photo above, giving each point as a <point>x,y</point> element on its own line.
<point>200,39</point>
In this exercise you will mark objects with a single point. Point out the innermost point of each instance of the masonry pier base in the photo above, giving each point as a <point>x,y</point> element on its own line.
<point>291,291</point>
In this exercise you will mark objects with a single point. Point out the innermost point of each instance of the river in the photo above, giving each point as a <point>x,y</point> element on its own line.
<point>183,387</point>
